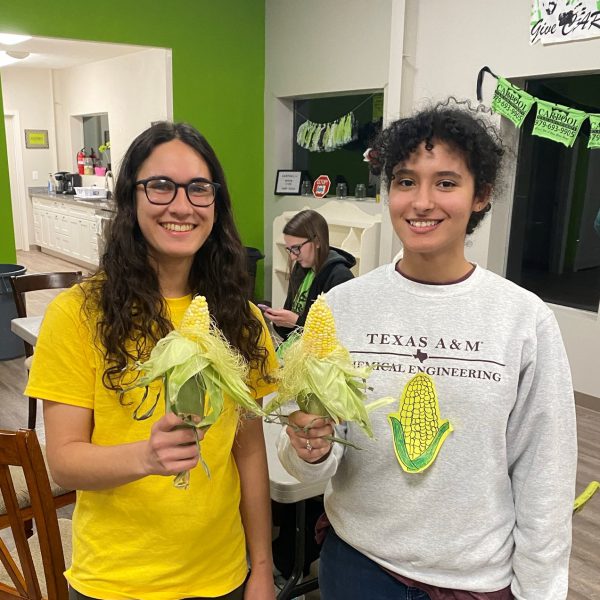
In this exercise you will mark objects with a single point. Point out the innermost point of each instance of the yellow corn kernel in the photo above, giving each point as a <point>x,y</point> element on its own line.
<point>419,414</point>
<point>196,320</point>
<point>319,330</point>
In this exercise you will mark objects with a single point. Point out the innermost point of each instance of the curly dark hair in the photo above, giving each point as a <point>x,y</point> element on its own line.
<point>457,124</point>
<point>133,313</point>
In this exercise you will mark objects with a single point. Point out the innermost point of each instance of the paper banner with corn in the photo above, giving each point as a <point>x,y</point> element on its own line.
<point>318,374</point>
<point>198,367</point>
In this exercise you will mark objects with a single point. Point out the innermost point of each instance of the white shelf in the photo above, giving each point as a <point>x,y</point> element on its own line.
<point>350,229</point>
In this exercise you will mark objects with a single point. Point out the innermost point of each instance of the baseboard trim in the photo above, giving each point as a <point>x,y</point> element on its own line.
<point>587,401</point>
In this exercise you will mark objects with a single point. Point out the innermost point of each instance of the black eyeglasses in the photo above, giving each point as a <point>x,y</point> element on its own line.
<point>161,190</point>
<point>296,248</point>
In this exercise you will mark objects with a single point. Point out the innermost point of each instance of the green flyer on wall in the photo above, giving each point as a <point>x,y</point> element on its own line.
<point>511,102</point>
<point>557,122</point>
<point>594,131</point>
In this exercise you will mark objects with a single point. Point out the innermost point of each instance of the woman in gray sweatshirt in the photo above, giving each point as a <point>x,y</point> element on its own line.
<point>466,490</point>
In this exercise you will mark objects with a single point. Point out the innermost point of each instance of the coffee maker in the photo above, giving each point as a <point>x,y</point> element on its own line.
<point>72,180</point>
<point>61,182</point>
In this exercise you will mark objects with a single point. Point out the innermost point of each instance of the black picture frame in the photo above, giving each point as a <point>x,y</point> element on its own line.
<point>288,182</point>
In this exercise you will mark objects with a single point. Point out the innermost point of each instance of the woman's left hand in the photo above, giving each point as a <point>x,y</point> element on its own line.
<point>260,584</point>
<point>282,317</point>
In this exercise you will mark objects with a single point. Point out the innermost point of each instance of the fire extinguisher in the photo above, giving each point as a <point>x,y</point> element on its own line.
<point>81,161</point>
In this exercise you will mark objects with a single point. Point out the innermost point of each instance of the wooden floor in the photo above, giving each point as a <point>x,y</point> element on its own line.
<point>584,581</point>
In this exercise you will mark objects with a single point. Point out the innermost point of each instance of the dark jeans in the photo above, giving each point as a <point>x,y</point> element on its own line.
<point>237,594</point>
<point>346,574</point>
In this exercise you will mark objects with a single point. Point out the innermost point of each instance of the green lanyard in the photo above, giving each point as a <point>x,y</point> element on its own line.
<point>299,303</point>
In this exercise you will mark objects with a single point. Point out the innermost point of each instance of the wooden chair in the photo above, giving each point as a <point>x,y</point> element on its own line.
<point>34,570</point>
<point>21,284</point>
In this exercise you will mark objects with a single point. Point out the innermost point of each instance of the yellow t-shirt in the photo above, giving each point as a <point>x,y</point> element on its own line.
<point>147,539</point>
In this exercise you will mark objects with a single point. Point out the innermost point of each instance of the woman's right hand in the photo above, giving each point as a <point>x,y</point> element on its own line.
<point>282,317</point>
<point>307,435</point>
<point>172,447</point>
<point>78,464</point>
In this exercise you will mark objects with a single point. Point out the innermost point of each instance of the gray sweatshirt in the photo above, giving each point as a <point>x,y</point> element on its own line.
<point>494,509</point>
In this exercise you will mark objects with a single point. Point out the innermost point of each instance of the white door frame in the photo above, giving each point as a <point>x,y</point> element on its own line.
<point>16,179</point>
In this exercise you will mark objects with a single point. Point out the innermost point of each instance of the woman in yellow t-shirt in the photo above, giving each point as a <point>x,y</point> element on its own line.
<point>134,534</point>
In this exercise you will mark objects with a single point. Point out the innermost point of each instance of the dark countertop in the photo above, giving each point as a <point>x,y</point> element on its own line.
<point>69,199</point>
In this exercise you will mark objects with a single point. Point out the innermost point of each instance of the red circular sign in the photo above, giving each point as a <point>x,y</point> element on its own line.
<point>321,186</point>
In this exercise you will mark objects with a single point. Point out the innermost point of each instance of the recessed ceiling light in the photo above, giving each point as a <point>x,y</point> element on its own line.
<point>16,54</point>
<point>5,59</point>
<point>12,38</point>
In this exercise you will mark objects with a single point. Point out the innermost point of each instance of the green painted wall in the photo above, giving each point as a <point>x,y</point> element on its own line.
<point>218,80</point>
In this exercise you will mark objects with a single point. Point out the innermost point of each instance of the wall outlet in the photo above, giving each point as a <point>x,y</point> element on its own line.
<point>34,175</point>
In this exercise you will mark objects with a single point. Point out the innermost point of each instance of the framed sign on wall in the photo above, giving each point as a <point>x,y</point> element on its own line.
<point>288,183</point>
<point>36,138</point>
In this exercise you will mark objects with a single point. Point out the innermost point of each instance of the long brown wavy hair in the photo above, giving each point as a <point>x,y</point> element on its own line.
<point>133,313</point>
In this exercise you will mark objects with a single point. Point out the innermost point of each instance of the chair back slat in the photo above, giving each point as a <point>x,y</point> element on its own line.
<point>22,449</point>
<point>34,282</point>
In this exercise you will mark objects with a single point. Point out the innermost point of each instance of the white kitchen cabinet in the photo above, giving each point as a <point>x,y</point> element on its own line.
<point>66,228</point>
<point>350,229</point>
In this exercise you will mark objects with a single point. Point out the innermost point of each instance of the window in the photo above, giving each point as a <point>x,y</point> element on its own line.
<point>554,250</point>
<point>344,164</point>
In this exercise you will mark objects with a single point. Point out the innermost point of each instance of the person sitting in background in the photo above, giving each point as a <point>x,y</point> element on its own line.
<point>316,268</point>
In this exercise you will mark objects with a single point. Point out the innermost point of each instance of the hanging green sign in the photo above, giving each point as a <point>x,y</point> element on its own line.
<point>557,122</point>
<point>511,102</point>
<point>377,107</point>
<point>594,132</point>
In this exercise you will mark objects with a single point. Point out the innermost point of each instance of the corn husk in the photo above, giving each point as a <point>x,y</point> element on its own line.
<point>319,376</point>
<point>199,368</point>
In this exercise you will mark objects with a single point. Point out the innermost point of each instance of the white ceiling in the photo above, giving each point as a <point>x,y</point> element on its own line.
<point>55,53</point>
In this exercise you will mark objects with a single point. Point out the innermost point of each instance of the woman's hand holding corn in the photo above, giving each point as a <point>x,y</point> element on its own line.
<point>308,435</point>
<point>172,447</point>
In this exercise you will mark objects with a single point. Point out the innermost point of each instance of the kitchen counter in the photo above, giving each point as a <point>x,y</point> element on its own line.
<point>68,227</point>
<point>73,201</point>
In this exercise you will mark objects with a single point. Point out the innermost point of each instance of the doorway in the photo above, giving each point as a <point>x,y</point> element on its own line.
<point>554,250</point>
<point>15,172</point>
<point>59,79</point>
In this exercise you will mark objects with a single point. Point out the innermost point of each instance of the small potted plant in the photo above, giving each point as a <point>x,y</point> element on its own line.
<point>103,149</point>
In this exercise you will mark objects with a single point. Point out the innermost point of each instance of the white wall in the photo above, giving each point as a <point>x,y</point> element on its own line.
<point>315,48</point>
<point>27,93</point>
<point>435,49</point>
<point>134,90</point>
<point>454,40</point>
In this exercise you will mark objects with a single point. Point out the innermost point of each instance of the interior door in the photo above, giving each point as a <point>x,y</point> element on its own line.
<point>588,243</point>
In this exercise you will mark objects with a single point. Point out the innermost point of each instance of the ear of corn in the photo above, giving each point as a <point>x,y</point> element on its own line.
<point>198,367</point>
<point>319,376</point>
<point>417,428</point>
<point>196,320</point>
<point>318,337</point>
